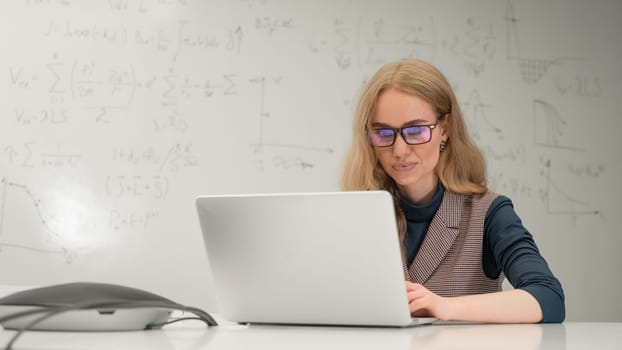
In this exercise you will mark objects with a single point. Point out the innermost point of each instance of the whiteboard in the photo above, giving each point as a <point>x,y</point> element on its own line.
<point>116,114</point>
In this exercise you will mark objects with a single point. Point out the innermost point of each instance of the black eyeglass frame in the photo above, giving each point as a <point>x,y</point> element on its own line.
<point>400,131</point>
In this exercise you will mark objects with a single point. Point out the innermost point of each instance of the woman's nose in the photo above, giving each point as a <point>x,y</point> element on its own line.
<point>400,147</point>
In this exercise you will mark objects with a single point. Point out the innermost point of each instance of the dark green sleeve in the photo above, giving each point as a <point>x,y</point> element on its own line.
<point>511,249</point>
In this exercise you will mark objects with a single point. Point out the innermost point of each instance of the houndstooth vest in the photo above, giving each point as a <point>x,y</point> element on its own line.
<point>449,262</point>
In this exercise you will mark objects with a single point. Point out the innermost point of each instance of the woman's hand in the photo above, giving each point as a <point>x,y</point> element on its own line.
<point>510,306</point>
<point>424,303</point>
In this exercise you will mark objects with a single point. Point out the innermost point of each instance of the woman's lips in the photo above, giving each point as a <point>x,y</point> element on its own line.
<point>404,166</point>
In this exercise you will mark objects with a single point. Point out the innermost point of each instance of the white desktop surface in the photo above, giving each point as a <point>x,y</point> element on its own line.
<point>191,335</point>
<point>230,336</point>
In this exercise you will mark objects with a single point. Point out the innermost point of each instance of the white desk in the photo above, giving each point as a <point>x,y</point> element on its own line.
<point>569,335</point>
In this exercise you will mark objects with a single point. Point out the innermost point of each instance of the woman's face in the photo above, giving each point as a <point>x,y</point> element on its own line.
<point>411,166</point>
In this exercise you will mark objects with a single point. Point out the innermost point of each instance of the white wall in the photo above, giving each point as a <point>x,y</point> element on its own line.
<point>116,114</point>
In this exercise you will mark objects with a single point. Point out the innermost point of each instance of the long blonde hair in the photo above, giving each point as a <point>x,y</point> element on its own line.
<point>461,167</point>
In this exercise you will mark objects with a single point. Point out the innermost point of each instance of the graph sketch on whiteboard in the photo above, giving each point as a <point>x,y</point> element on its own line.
<point>278,160</point>
<point>532,70</point>
<point>475,110</point>
<point>558,201</point>
<point>549,126</point>
<point>53,239</point>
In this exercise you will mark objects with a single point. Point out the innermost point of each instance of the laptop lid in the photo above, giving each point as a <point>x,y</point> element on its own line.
<point>329,258</point>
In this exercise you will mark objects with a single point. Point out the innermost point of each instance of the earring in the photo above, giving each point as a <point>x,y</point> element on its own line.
<point>443,145</point>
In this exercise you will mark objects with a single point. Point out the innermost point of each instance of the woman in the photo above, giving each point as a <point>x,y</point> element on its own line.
<point>459,239</point>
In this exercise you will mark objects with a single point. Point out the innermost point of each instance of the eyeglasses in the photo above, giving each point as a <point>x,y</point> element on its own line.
<point>412,135</point>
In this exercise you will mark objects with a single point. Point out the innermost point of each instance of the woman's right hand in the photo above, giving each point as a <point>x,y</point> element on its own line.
<point>424,303</point>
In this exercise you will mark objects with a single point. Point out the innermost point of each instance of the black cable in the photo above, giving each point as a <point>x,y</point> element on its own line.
<point>47,314</point>
<point>175,320</point>
<point>50,312</point>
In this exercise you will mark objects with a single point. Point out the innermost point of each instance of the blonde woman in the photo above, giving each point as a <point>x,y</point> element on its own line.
<point>459,239</point>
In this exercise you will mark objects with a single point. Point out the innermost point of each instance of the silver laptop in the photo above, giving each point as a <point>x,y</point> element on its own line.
<point>328,258</point>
